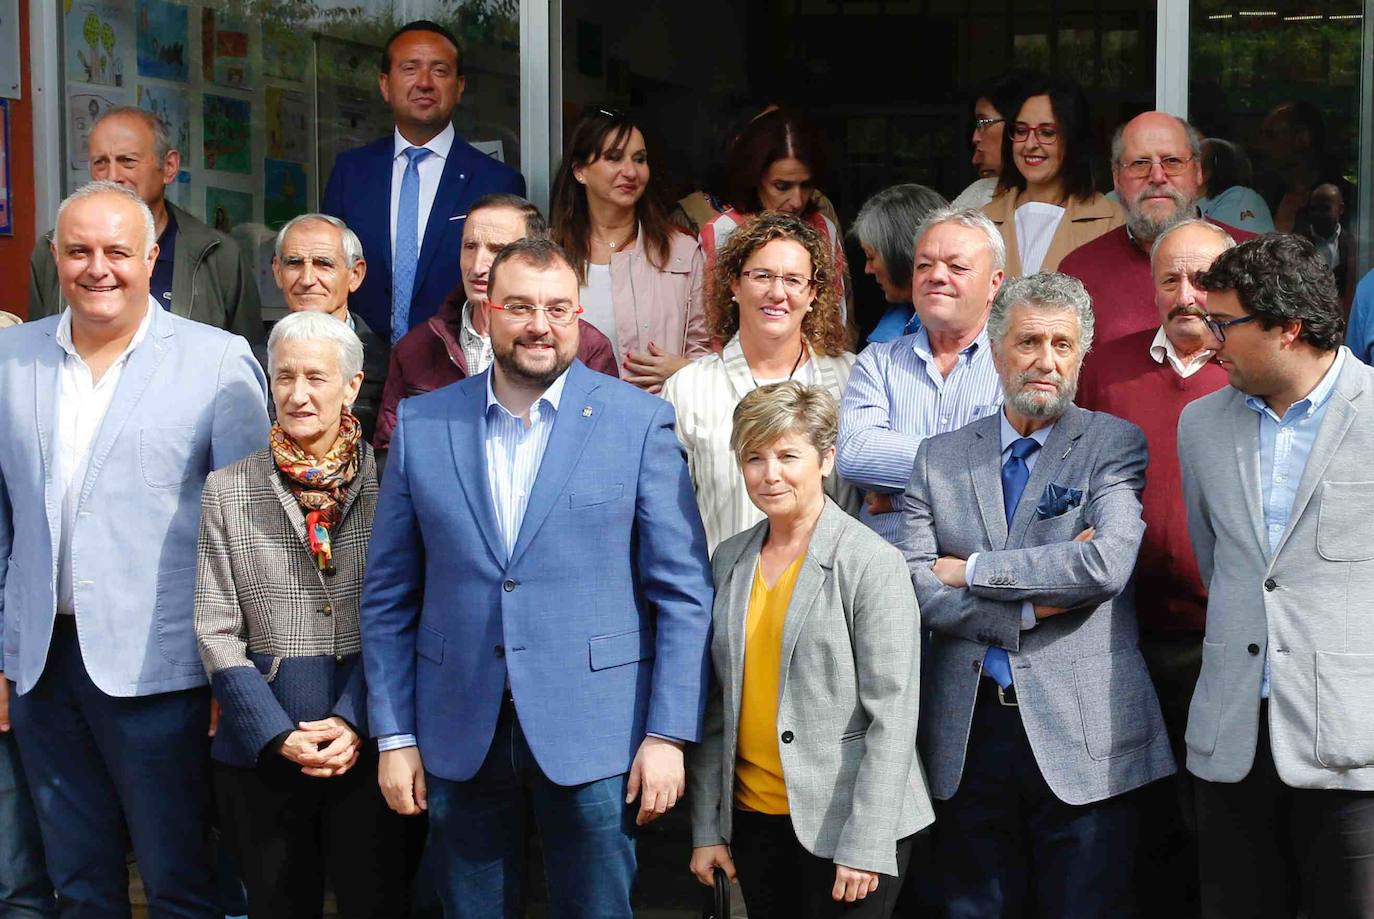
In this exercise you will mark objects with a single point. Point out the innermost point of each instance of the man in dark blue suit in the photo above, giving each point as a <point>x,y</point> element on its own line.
<point>406,195</point>
<point>536,611</point>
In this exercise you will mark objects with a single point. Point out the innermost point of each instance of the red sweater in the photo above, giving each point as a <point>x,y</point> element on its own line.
<point>1122,379</point>
<point>1117,275</point>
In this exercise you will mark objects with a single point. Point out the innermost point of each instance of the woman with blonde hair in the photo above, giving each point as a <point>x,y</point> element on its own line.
<point>774,304</point>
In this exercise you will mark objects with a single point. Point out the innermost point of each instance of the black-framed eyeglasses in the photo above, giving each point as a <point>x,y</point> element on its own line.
<point>1172,166</point>
<point>982,124</point>
<point>1218,327</point>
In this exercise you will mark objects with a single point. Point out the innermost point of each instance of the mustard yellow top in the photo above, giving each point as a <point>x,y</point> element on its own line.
<point>758,766</point>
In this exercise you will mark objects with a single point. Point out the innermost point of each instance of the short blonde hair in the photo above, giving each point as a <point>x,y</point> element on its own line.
<point>771,412</point>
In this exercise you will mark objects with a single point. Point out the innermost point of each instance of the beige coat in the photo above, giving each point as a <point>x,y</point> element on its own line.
<point>1083,222</point>
<point>664,306</point>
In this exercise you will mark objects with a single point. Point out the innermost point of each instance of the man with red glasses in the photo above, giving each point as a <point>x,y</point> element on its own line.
<point>1157,172</point>
<point>536,611</point>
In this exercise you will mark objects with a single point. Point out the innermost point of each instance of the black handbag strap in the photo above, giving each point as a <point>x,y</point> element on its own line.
<point>718,898</point>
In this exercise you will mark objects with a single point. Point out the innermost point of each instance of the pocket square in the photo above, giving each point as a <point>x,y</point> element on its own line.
<point>1057,500</point>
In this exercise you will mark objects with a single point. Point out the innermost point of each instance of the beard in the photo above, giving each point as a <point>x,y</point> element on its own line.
<point>1147,228</point>
<point>522,367</point>
<point>1037,405</point>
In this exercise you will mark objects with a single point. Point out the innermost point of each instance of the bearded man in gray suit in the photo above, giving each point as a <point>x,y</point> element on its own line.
<point>1280,497</point>
<point>1021,532</point>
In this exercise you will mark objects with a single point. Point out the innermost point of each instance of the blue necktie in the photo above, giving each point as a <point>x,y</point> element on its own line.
<point>1015,475</point>
<point>407,243</point>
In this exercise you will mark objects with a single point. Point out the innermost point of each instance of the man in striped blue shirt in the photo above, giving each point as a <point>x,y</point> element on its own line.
<point>935,380</point>
<point>536,610</point>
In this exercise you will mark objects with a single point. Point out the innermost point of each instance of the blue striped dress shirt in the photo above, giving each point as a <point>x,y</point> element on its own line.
<point>896,398</point>
<point>514,452</point>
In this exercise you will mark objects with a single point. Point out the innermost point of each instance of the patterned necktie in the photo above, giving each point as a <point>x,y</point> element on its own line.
<point>1015,475</point>
<point>407,243</point>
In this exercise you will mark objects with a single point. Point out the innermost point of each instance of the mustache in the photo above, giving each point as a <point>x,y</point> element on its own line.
<point>1034,376</point>
<point>1185,311</point>
<point>1163,188</point>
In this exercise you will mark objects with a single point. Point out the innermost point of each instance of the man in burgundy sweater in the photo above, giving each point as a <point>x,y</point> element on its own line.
<point>1147,377</point>
<point>454,343</point>
<point>1157,171</point>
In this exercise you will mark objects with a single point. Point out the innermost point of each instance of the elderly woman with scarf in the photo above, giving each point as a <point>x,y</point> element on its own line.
<point>283,545</point>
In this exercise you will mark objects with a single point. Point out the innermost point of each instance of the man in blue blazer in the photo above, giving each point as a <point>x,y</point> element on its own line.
<point>111,416</point>
<point>422,172</point>
<point>536,611</point>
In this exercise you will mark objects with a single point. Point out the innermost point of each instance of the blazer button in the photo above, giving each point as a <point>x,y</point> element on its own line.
<point>1253,648</point>
<point>328,609</point>
<point>787,736</point>
<point>499,651</point>
<point>977,667</point>
<point>508,585</point>
<point>1270,584</point>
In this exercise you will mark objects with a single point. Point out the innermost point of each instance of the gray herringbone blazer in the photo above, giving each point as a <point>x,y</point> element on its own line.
<point>1086,699</point>
<point>1308,608</point>
<point>278,637</point>
<point>847,703</point>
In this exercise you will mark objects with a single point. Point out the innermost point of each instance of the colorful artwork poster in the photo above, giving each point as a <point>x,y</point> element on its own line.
<point>285,51</point>
<point>226,209</point>
<point>162,40</point>
<point>171,108</point>
<point>284,192</point>
<point>288,125</point>
<point>224,49</point>
<point>100,38</point>
<point>228,143</point>
<point>82,111</point>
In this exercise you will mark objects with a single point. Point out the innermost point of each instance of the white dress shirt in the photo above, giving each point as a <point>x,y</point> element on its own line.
<point>431,169</point>
<point>476,346</point>
<point>82,403</point>
<point>1161,349</point>
<point>1036,224</point>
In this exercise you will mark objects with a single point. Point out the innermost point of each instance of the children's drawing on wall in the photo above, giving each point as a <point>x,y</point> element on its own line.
<point>100,39</point>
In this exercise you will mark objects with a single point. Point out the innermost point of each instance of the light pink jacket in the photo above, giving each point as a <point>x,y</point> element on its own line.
<point>665,306</point>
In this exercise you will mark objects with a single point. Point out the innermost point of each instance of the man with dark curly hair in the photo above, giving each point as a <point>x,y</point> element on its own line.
<point>1281,516</point>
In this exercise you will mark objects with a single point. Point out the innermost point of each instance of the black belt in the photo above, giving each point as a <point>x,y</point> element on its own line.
<point>989,691</point>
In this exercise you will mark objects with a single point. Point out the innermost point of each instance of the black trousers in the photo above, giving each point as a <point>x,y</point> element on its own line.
<point>1167,860</point>
<point>781,880</point>
<point>290,832</point>
<point>1268,850</point>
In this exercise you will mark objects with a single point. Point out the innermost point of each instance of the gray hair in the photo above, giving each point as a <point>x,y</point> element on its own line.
<point>106,187</point>
<point>887,223</point>
<point>1226,241</point>
<point>352,246</point>
<point>768,413</point>
<point>1047,290</point>
<point>1119,139</point>
<point>314,326</point>
<point>974,219</point>
<point>162,142</point>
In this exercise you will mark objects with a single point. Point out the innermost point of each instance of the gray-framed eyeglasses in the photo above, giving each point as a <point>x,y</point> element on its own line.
<point>1172,166</point>
<point>558,314</point>
<point>1218,327</point>
<point>792,283</point>
<point>982,124</point>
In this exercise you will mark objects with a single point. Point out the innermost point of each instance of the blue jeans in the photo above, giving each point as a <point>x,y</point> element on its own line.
<point>24,886</point>
<point>107,772</point>
<point>477,837</point>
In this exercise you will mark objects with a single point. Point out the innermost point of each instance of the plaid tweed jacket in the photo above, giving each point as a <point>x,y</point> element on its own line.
<point>278,637</point>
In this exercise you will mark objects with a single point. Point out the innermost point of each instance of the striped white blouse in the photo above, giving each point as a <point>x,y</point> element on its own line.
<point>704,395</point>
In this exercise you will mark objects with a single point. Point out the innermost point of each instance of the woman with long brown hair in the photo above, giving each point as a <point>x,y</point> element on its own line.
<point>640,276</point>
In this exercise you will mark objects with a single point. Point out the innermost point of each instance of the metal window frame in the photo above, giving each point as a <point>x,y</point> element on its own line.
<point>541,95</point>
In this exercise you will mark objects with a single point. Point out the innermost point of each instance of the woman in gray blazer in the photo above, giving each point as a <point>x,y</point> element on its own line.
<point>806,779</point>
<point>283,542</point>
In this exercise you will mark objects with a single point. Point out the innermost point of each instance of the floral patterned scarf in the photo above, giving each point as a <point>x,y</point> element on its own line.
<point>320,485</point>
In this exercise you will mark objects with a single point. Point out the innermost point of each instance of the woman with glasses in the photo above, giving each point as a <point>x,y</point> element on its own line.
<point>991,102</point>
<point>774,165</point>
<point>773,302</point>
<point>1046,205</point>
<point>640,277</point>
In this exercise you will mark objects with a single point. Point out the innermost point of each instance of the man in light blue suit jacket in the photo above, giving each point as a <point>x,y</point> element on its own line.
<point>111,416</point>
<point>536,611</point>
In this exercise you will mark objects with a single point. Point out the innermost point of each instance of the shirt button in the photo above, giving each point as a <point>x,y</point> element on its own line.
<point>1253,648</point>
<point>787,736</point>
<point>508,585</point>
<point>1270,584</point>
